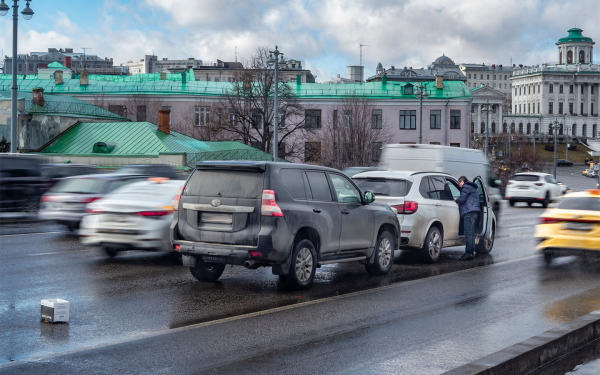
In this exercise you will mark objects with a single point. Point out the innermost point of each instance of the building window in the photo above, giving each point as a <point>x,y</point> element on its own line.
<point>551,90</point>
<point>536,128</point>
<point>569,57</point>
<point>348,118</point>
<point>472,108</point>
<point>582,56</point>
<point>505,77</point>
<point>312,152</point>
<point>141,113</point>
<point>256,144</point>
<point>30,66</point>
<point>581,111</point>
<point>454,144</point>
<point>232,117</point>
<point>560,89</point>
<point>528,128</point>
<point>504,128</point>
<point>481,76</point>
<point>408,89</point>
<point>519,90</point>
<point>217,79</point>
<point>529,89</point>
<point>454,119</point>
<point>469,84</point>
<point>120,110</point>
<point>488,77</point>
<point>469,76</point>
<point>528,107</point>
<point>519,109</point>
<point>482,127</point>
<point>494,106</point>
<point>201,116</point>
<point>592,89</point>
<point>376,151</point>
<point>376,119</point>
<point>581,88</point>
<point>570,108</point>
<point>550,108</point>
<point>435,119</point>
<point>494,77</point>
<point>521,128</point>
<point>570,89</point>
<point>408,119</point>
<point>493,127</point>
<point>538,111</point>
<point>312,118</point>
<point>560,108</point>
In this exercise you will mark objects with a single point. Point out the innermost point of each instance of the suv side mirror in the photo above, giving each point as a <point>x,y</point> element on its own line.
<point>369,197</point>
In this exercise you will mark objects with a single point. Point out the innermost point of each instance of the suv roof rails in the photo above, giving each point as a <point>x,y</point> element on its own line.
<point>412,174</point>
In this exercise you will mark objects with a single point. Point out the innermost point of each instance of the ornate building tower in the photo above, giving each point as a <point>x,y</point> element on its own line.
<point>575,48</point>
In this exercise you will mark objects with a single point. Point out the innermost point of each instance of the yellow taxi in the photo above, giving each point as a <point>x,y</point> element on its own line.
<point>572,227</point>
<point>585,172</point>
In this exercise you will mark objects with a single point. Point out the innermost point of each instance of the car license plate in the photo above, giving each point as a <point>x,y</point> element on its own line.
<point>214,259</point>
<point>68,206</point>
<point>118,218</point>
<point>578,226</point>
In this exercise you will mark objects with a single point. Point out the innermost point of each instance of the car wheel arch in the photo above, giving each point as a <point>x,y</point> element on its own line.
<point>389,228</point>
<point>311,234</point>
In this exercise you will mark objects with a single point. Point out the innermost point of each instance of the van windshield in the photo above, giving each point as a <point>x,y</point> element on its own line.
<point>383,186</point>
<point>225,183</point>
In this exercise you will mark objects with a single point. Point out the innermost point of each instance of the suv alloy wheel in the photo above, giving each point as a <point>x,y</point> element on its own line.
<point>432,248</point>
<point>384,255</point>
<point>303,266</point>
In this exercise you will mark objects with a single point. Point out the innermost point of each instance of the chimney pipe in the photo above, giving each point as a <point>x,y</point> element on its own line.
<point>163,76</point>
<point>439,82</point>
<point>58,77</point>
<point>164,120</point>
<point>68,62</point>
<point>83,78</point>
<point>38,96</point>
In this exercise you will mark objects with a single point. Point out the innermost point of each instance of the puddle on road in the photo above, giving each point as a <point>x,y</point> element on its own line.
<point>566,310</point>
<point>585,361</point>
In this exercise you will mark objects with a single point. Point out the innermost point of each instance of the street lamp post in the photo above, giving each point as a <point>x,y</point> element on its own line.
<point>27,14</point>
<point>535,133</point>
<point>274,60</point>
<point>421,93</point>
<point>568,130</point>
<point>486,108</point>
<point>555,128</point>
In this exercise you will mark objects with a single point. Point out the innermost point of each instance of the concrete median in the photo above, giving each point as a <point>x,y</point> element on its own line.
<point>538,351</point>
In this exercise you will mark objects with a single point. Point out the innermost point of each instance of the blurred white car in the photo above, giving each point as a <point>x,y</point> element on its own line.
<point>134,217</point>
<point>532,188</point>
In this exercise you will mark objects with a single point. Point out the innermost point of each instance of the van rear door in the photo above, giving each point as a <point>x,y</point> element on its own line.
<point>221,204</point>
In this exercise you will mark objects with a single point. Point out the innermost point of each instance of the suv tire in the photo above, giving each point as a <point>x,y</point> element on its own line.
<point>511,202</point>
<point>111,251</point>
<point>303,266</point>
<point>485,246</point>
<point>432,247</point>
<point>204,271</point>
<point>384,255</point>
<point>546,201</point>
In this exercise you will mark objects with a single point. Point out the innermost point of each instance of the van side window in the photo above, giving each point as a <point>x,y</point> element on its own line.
<point>294,182</point>
<point>319,186</point>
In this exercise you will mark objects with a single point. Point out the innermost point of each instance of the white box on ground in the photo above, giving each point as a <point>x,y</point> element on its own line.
<point>55,310</point>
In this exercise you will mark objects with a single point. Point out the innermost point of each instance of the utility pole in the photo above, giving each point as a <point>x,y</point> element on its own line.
<point>84,48</point>
<point>360,45</point>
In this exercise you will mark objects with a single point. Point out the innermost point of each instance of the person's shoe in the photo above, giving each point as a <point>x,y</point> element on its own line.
<point>467,257</point>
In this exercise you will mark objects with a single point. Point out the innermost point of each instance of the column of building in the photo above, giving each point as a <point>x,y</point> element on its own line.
<point>478,125</point>
<point>577,108</point>
<point>500,125</point>
<point>544,99</point>
<point>588,101</point>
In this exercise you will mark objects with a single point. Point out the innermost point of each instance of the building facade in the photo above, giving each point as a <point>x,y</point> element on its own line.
<point>567,92</point>
<point>29,64</point>
<point>442,66</point>
<point>494,76</point>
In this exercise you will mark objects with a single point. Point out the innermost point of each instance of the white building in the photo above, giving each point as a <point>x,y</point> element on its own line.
<point>567,91</point>
<point>494,76</point>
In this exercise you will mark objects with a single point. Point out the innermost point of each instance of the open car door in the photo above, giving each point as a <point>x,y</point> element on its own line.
<point>485,219</point>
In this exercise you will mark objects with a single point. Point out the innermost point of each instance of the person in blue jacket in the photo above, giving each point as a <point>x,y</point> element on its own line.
<point>468,204</point>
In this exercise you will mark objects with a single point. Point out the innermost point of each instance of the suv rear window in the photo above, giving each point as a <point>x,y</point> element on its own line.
<point>525,177</point>
<point>225,183</point>
<point>586,204</point>
<point>382,186</point>
<point>79,186</point>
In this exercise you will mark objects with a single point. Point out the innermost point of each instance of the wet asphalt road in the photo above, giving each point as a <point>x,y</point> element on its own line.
<point>142,313</point>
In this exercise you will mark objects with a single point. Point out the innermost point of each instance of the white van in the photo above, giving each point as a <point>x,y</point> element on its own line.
<point>452,160</point>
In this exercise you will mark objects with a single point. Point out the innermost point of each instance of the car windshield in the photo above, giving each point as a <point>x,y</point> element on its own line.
<point>525,177</point>
<point>131,170</point>
<point>160,194</point>
<point>79,186</point>
<point>383,186</point>
<point>580,203</point>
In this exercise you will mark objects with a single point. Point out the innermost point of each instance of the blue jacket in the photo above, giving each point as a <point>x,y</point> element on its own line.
<point>468,201</point>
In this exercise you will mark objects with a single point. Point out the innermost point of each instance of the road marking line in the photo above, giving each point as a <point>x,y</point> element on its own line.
<point>518,228</point>
<point>28,234</point>
<point>257,313</point>
<point>59,252</point>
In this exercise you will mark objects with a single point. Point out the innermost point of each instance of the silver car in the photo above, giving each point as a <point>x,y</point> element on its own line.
<point>428,215</point>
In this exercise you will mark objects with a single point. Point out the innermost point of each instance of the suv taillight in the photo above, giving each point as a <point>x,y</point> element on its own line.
<point>175,203</point>
<point>408,208</point>
<point>269,207</point>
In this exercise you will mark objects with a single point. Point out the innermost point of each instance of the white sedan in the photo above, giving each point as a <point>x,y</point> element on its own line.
<point>134,217</point>
<point>532,188</point>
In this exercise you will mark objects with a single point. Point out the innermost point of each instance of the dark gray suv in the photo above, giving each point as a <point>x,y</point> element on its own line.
<point>291,217</point>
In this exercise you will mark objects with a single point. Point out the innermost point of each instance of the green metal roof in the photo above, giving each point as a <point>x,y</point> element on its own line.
<point>120,85</point>
<point>57,65</point>
<point>144,139</point>
<point>63,105</point>
<point>575,35</point>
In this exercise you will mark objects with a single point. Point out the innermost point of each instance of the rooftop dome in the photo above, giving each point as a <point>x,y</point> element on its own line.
<point>379,66</point>
<point>443,60</point>
<point>575,36</point>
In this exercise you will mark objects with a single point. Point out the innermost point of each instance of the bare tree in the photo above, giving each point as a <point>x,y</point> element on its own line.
<point>246,113</point>
<point>353,134</point>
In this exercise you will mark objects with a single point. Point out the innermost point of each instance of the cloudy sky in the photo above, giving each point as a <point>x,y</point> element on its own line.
<point>323,34</point>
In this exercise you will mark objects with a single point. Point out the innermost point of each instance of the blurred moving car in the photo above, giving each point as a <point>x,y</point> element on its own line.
<point>20,183</point>
<point>351,171</point>
<point>290,217</point>
<point>571,228</point>
<point>592,173</point>
<point>53,172</point>
<point>564,188</point>
<point>65,202</point>
<point>564,163</point>
<point>152,170</point>
<point>532,188</point>
<point>428,215</point>
<point>585,172</point>
<point>134,217</point>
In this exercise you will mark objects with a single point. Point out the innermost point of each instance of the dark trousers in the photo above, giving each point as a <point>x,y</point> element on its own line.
<point>469,221</point>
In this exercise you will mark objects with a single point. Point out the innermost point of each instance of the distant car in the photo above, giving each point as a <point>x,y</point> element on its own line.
<point>585,172</point>
<point>20,183</point>
<point>564,188</point>
<point>564,163</point>
<point>592,173</point>
<point>65,202</point>
<point>351,171</point>
<point>571,227</point>
<point>532,188</point>
<point>134,217</point>
<point>427,212</point>
<point>153,170</point>
<point>53,172</point>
